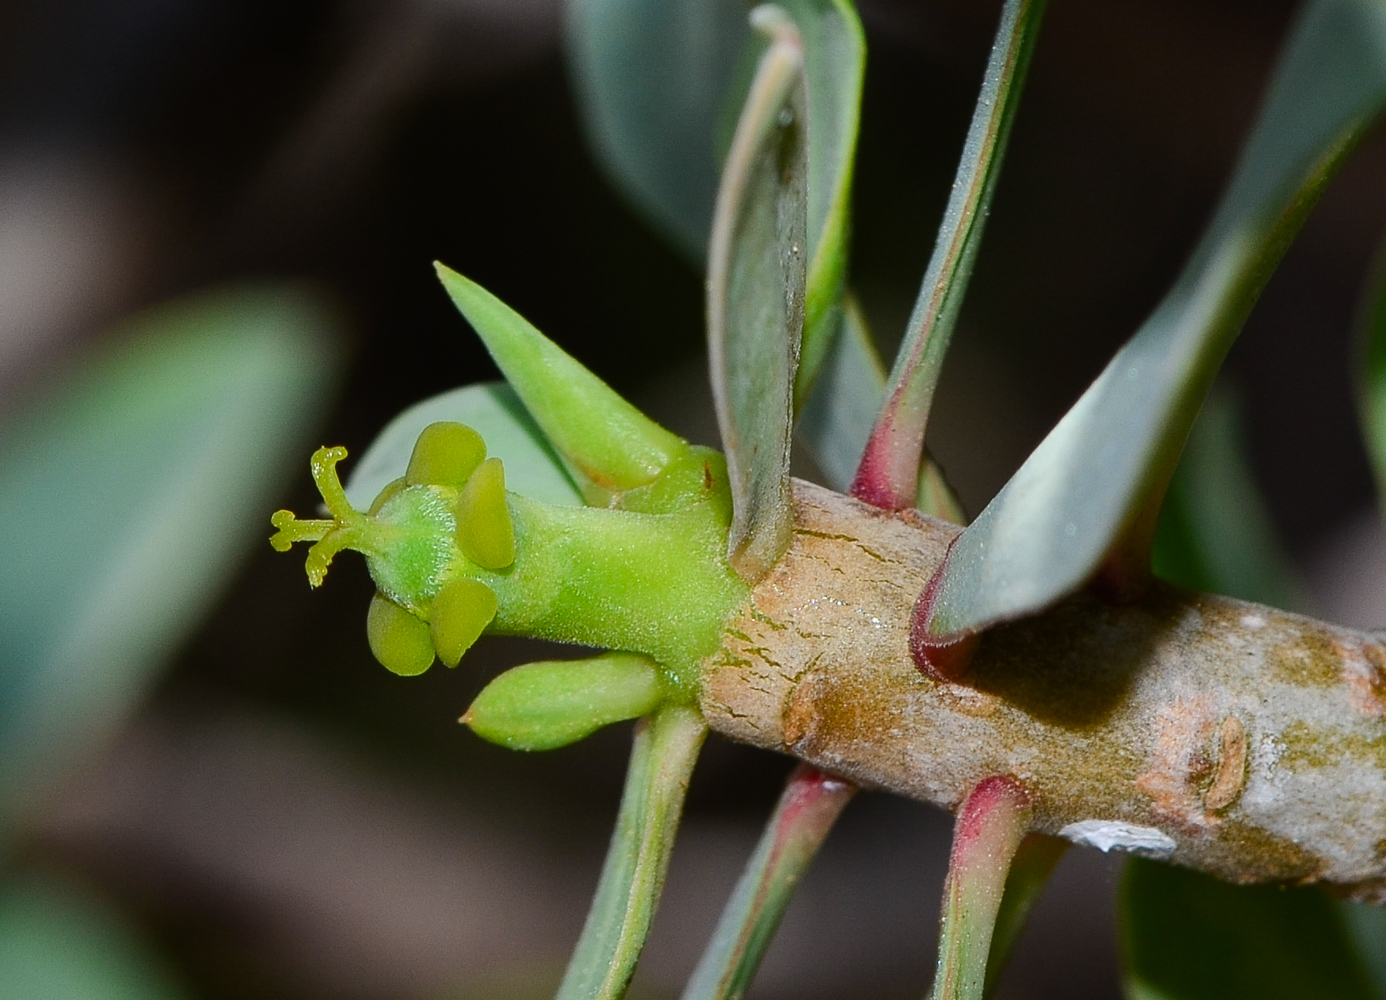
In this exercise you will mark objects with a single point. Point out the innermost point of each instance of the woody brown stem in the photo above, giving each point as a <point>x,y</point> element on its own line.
<point>1243,741</point>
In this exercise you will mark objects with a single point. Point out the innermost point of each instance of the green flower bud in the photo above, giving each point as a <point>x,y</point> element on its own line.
<point>542,706</point>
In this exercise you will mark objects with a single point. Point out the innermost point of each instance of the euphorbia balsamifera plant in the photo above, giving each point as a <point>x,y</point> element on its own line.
<point>1027,670</point>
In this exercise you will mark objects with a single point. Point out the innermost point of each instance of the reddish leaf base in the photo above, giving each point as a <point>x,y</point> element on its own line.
<point>942,658</point>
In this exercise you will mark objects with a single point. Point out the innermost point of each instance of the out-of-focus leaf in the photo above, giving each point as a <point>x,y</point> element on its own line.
<point>666,748</point>
<point>127,492</point>
<point>57,943</point>
<point>889,471</point>
<point>651,77</point>
<point>1371,379</point>
<point>608,443</point>
<point>1215,533</point>
<point>1366,927</point>
<point>1087,494</point>
<point>1187,936</point>
<point>990,825</point>
<point>532,468</point>
<point>755,298</point>
<point>835,422</point>
<point>807,810</point>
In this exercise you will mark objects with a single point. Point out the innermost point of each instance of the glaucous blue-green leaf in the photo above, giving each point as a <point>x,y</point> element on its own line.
<point>1086,495</point>
<point>834,66</point>
<point>836,420</point>
<point>128,489</point>
<point>59,943</point>
<point>755,297</point>
<point>889,472</point>
<point>1186,936</point>
<point>808,808</point>
<point>1215,532</point>
<point>1371,378</point>
<point>654,81</point>
<point>651,77</point>
<point>661,762</point>
<point>532,468</point>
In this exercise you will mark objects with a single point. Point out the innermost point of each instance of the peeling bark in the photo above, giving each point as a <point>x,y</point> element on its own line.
<point>1243,741</point>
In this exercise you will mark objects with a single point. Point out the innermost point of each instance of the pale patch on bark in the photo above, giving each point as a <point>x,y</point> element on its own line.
<point>1240,732</point>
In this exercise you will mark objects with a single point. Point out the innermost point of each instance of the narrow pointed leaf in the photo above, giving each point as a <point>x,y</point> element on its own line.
<point>889,471</point>
<point>755,299</point>
<point>666,748</point>
<point>608,442</point>
<point>1088,494</point>
<point>1187,936</point>
<point>989,828</point>
<point>1371,379</point>
<point>807,810</point>
<point>836,421</point>
<point>1031,867</point>
<point>127,491</point>
<point>834,66</point>
<point>532,467</point>
<point>1215,532</point>
<point>654,81</point>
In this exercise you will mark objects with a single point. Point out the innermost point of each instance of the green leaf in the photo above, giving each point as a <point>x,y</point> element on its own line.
<point>990,825</point>
<point>532,467</point>
<point>755,298</point>
<point>666,748</point>
<point>836,420</point>
<point>1031,867</point>
<point>609,443</point>
<point>1088,494</point>
<point>651,77</point>
<point>1215,533</point>
<point>889,472</point>
<point>550,704</point>
<point>1371,378</point>
<point>59,943</point>
<point>806,812</point>
<point>1187,936</point>
<point>834,66</point>
<point>127,492</point>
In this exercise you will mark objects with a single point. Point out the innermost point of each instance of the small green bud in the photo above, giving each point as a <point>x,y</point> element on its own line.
<point>485,532</point>
<point>543,706</point>
<point>460,613</point>
<point>399,639</point>
<point>446,454</point>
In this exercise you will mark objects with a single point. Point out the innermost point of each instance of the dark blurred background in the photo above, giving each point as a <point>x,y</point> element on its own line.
<point>286,819</point>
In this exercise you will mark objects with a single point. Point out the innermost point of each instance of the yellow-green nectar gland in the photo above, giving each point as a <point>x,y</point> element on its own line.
<point>423,538</point>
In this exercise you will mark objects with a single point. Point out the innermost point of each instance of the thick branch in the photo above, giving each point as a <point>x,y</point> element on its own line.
<point>1226,736</point>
